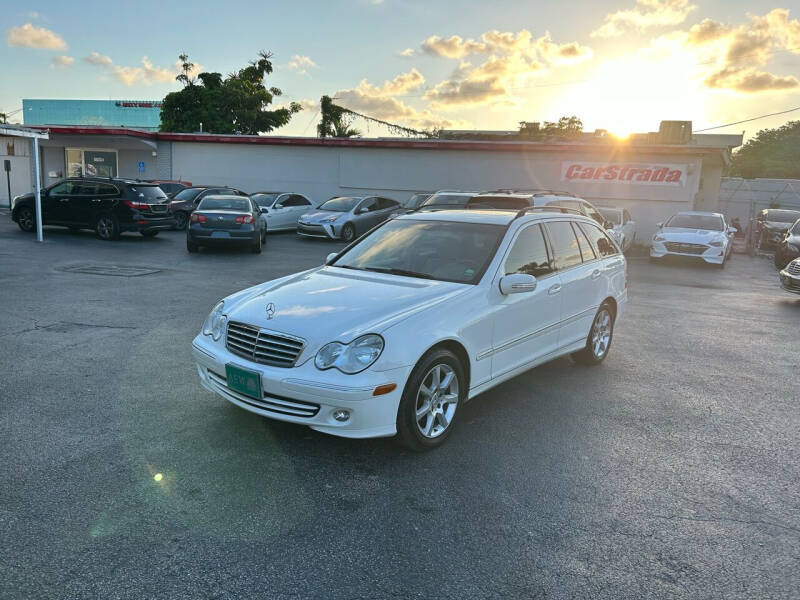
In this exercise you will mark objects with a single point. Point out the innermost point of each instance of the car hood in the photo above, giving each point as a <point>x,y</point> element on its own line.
<point>681,234</point>
<point>316,216</point>
<point>333,304</point>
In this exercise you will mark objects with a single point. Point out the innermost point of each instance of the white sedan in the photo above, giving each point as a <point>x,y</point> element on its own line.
<point>281,210</point>
<point>425,312</point>
<point>694,234</point>
<point>624,227</point>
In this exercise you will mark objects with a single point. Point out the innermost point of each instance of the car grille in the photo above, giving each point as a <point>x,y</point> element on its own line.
<point>311,229</point>
<point>261,346</point>
<point>685,248</point>
<point>793,268</point>
<point>275,404</point>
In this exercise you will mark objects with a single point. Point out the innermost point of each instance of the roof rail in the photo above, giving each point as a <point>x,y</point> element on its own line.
<point>562,209</point>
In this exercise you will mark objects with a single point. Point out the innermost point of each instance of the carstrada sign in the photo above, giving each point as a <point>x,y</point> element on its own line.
<point>624,173</point>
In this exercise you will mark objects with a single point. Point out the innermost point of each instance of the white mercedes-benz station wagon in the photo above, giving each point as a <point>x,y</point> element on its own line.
<point>424,312</point>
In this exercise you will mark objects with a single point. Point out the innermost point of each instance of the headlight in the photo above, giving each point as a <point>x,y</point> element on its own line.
<point>658,238</point>
<point>716,243</point>
<point>329,219</point>
<point>350,358</point>
<point>215,322</point>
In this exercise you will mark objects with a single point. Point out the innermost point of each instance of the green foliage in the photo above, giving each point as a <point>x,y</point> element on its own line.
<point>334,120</point>
<point>3,118</point>
<point>771,153</point>
<point>234,104</point>
<point>565,127</point>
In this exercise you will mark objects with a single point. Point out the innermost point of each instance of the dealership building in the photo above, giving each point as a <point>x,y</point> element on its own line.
<point>650,178</point>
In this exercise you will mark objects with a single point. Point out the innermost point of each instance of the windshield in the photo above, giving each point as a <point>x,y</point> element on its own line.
<point>782,216</point>
<point>153,193</point>
<point>187,194</point>
<point>416,200</point>
<point>610,214</point>
<point>223,203</point>
<point>264,200</point>
<point>442,250</point>
<point>438,199</point>
<point>709,222</point>
<point>343,204</point>
<point>796,228</point>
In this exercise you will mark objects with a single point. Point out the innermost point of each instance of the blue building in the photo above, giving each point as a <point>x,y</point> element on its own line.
<point>135,114</point>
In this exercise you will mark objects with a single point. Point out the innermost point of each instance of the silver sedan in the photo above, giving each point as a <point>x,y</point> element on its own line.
<point>346,217</point>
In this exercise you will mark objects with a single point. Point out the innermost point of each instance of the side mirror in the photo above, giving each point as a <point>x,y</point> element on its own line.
<point>330,257</point>
<point>277,206</point>
<point>263,210</point>
<point>660,224</point>
<point>361,210</point>
<point>517,283</point>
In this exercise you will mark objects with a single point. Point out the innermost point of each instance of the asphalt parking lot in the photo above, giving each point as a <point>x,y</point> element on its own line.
<point>671,470</point>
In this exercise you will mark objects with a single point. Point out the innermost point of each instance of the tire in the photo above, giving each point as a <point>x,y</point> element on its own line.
<point>598,342</point>
<point>149,234</point>
<point>26,219</point>
<point>191,246</point>
<point>348,233</point>
<point>438,413</point>
<point>264,235</point>
<point>256,248</point>
<point>779,262</point>
<point>106,228</point>
<point>181,220</point>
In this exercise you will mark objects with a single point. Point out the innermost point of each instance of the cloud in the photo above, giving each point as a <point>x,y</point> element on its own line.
<point>510,57</point>
<point>749,80</point>
<point>30,36</point>
<point>61,62</point>
<point>644,15</point>
<point>407,53</point>
<point>301,64</point>
<point>146,74</point>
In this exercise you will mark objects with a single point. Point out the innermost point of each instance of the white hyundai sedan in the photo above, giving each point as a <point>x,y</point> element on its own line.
<point>424,312</point>
<point>696,234</point>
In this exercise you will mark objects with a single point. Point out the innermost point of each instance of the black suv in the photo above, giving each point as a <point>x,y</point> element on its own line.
<point>185,201</point>
<point>108,206</point>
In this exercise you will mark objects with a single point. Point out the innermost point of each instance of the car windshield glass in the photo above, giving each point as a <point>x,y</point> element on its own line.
<point>709,222</point>
<point>264,200</point>
<point>148,192</point>
<point>343,204</point>
<point>416,200</point>
<point>782,216</point>
<point>498,202</point>
<point>446,251</point>
<point>438,199</point>
<point>796,228</point>
<point>610,214</point>
<point>212,203</point>
<point>187,194</point>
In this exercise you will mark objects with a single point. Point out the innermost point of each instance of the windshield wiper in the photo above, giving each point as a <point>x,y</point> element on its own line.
<point>392,271</point>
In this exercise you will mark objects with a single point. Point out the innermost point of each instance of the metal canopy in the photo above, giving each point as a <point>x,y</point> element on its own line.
<point>35,135</point>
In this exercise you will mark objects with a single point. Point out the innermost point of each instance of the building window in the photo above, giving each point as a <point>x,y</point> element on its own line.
<point>87,162</point>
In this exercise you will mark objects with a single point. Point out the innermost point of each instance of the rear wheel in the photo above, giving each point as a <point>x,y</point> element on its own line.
<point>181,220</point>
<point>599,339</point>
<point>191,246</point>
<point>429,406</point>
<point>26,219</point>
<point>256,248</point>
<point>106,228</point>
<point>348,232</point>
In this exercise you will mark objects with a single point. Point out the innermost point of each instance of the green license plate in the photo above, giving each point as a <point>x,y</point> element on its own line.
<point>243,381</point>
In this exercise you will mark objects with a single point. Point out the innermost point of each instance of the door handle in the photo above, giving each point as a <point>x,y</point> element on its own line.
<point>63,199</point>
<point>96,200</point>
<point>554,289</point>
<point>595,273</point>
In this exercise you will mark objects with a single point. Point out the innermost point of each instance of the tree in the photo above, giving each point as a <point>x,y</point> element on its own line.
<point>565,127</point>
<point>335,121</point>
<point>771,153</point>
<point>236,104</point>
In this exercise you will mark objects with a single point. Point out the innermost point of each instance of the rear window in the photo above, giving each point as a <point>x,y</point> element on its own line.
<point>782,216</point>
<point>498,202</point>
<point>150,193</point>
<point>217,203</point>
<point>445,199</point>
<point>188,194</point>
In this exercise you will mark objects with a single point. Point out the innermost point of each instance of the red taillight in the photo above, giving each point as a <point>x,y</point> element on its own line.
<point>195,218</point>
<point>244,219</point>
<point>137,205</point>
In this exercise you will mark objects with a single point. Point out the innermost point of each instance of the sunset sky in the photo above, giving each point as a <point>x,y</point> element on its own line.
<point>621,65</point>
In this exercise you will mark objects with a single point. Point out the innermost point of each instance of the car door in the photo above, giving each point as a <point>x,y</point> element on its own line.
<point>55,203</point>
<point>280,215</point>
<point>77,211</point>
<point>578,267</point>
<point>386,206</point>
<point>525,325</point>
<point>301,205</point>
<point>366,215</point>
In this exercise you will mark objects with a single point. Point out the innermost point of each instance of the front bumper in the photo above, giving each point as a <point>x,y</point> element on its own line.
<point>305,395</point>
<point>789,282</point>
<point>713,255</point>
<point>324,230</point>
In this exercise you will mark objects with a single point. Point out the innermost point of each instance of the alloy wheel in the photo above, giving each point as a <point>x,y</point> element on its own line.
<point>105,228</point>
<point>437,400</point>
<point>26,219</point>
<point>601,333</point>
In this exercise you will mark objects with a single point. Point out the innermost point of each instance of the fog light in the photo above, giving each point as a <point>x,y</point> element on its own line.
<point>341,415</point>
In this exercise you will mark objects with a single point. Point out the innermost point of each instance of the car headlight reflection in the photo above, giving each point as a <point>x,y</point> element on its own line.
<point>658,238</point>
<point>215,322</point>
<point>329,219</point>
<point>350,358</point>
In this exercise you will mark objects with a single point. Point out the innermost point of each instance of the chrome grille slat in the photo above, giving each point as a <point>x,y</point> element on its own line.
<point>793,268</point>
<point>261,346</point>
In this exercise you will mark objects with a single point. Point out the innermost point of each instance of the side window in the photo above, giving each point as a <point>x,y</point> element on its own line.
<point>566,204</point>
<point>566,251</point>
<point>85,188</point>
<point>583,243</point>
<point>371,204</point>
<point>106,189</point>
<point>592,212</point>
<point>600,241</point>
<point>62,189</point>
<point>300,200</point>
<point>386,203</point>
<point>284,200</point>
<point>529,254</point>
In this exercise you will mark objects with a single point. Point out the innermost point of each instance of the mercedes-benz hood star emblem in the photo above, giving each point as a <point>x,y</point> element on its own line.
<point>270,310</point>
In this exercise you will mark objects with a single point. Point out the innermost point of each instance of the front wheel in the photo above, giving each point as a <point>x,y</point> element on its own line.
<point>26,219</point>
<point>428,408</point>
<point>348,232</point>
<point>599,339</point>
<point>106,228</point>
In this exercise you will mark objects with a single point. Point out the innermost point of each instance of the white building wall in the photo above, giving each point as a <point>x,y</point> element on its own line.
<point>18,152</point>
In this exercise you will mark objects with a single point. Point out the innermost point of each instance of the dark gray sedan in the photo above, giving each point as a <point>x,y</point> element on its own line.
<point>346,217</point>
<point>225,220</point>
